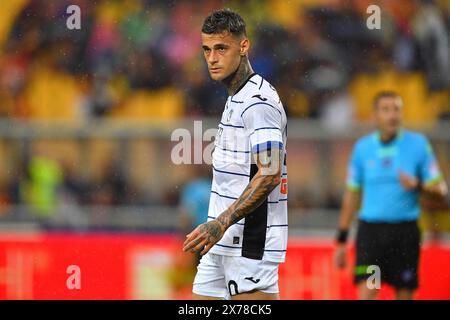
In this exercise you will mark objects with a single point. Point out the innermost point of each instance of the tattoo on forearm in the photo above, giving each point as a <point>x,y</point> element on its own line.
<point>213,230</point>
<point>253,196</point>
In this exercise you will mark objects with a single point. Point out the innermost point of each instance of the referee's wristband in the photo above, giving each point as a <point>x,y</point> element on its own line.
<point>342,236</point>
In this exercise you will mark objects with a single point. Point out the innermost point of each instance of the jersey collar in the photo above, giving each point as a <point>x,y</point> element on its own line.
<point>399,136</point>
<point>243,84</point>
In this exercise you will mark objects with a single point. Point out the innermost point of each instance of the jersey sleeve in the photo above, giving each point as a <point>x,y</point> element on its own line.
<point>263,121</point>
<point>429,168</point>
<point>355,170</point>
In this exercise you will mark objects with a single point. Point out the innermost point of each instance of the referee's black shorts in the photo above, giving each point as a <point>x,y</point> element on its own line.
<point>393,247</point>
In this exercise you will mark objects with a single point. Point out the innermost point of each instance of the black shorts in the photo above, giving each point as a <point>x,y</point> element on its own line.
<point>393,247</point>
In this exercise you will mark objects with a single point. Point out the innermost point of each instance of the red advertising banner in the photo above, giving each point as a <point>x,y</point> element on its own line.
<point>123,266</point>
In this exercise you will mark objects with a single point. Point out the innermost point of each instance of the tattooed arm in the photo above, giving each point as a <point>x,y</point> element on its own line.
<point>265,180</point>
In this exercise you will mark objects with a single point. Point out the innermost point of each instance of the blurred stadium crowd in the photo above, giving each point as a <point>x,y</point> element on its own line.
<point>141,60</point>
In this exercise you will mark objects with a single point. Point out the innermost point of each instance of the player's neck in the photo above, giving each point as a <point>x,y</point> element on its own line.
<point>387,137</point>
<point>234,82</point>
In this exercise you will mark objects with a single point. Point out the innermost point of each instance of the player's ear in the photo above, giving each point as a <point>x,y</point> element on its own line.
<point>245,46</point>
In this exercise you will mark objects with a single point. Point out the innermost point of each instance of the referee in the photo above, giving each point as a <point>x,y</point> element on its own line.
<point>388,170</point>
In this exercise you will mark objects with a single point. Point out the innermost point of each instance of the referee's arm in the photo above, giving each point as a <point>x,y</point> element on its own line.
<point>431,182</point>
<point>350,204</point>
<point>438,189</point>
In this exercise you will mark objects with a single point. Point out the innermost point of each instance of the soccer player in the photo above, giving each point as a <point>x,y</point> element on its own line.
<point>388,170</point>
<point>245,238</point>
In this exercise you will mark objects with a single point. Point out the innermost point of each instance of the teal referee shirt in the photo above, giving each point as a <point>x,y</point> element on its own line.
<point>374,169</point>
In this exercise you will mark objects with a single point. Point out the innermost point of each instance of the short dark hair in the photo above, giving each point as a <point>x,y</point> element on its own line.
<point>224,20</point>
<point>384,94</point>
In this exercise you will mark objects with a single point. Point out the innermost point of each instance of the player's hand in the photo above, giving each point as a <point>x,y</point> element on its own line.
<point>408,182</point>
<point>340,256</point>
<point>204,237</point>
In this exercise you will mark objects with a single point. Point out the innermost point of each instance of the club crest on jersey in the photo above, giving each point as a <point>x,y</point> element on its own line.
<point>229,115</point>
<point>387,162</point>
<point>219,133</point>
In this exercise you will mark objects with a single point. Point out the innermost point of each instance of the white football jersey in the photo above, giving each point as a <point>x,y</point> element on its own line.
<point>253,120</point>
